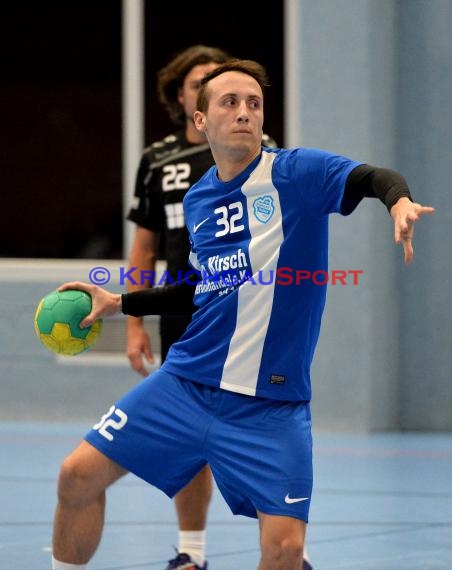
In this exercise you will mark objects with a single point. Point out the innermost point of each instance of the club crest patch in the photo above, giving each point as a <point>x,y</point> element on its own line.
<point>263,208</point>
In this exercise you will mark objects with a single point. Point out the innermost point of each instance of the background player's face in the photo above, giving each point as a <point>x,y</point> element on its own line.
<point>192,82</point>
<point>235,115</point>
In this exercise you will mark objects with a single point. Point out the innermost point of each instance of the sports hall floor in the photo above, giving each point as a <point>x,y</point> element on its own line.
<point>381,501</point>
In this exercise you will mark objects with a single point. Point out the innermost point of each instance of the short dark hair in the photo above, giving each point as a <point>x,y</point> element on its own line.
<point>171,77</point>
<point>247,66</point>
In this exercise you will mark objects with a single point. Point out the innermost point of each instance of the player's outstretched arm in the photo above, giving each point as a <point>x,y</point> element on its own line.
<point>104,303</point>
<point>405,213</point>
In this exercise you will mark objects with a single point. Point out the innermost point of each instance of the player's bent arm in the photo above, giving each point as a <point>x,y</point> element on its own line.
<point>104,303</point>
<point>142,259</point>
<point>174,299</point>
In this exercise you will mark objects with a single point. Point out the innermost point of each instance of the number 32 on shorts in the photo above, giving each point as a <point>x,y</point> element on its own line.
<point>114,419</point>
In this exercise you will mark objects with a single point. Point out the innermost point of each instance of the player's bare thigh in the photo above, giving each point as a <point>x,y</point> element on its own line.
<point>86,472</point>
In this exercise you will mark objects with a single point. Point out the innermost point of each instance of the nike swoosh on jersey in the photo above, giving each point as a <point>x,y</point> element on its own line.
<point>289,500</point>
<point>197,226</point>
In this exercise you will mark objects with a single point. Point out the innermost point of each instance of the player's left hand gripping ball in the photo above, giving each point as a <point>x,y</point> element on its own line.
<point>57,322</point>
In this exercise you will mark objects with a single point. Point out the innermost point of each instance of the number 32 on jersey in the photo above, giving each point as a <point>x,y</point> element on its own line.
<point>229,219</point>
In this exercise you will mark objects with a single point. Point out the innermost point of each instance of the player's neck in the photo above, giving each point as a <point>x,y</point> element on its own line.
<point>230,165</point>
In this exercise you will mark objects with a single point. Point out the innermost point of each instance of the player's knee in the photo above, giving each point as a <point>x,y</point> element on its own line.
<point>284,553</point>
<point>74,482</point>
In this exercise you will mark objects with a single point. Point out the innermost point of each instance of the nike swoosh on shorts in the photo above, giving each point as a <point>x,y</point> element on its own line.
<point>289,500</point>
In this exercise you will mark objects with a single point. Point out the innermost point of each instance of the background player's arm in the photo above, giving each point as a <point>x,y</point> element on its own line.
<point>143,256</point>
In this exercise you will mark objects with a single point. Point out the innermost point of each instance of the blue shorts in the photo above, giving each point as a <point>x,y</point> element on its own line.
<point>260,450</point>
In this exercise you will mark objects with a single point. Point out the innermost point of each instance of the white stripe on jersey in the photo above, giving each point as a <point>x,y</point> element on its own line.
<point>193,259</point>
<point>241,368</point>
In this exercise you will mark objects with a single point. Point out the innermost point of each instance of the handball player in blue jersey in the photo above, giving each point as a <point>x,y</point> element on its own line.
<point>234,392</point>
<point>167,169</point>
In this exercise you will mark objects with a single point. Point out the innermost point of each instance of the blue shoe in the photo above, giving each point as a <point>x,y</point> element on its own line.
<point>184,562</point>
<point>307,565</point>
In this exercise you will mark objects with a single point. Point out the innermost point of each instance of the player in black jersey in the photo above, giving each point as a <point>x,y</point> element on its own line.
<point>167,170</point>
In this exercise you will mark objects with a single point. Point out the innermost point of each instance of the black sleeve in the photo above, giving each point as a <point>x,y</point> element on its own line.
<point>176,299</point>
<point>148,210</point>
<point>366,181</point>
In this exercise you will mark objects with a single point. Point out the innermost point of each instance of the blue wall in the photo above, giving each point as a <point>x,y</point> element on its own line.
<point>377,85</point>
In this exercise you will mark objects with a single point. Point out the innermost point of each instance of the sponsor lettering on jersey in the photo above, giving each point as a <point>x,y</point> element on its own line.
<point>216,264</point>
<point>223,273</point>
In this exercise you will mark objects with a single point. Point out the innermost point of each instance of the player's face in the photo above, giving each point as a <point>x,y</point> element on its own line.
<point>235,115</point>
<point>192,83</point>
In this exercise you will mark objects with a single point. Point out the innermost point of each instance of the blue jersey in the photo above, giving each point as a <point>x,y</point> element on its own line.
<point>257,242</point>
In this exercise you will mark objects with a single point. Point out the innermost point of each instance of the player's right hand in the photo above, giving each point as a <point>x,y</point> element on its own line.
<point>104,303</point>
<point>139,348</point>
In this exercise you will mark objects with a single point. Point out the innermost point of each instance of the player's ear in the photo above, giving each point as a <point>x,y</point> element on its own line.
<point>200,121</point>
<point>180,97</point>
